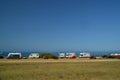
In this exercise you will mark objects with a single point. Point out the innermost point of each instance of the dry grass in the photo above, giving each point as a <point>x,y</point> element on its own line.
<point>45,70</point>
<point>55,60</point>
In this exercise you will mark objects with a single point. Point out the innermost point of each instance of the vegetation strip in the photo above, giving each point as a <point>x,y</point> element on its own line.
<point>60,71</point>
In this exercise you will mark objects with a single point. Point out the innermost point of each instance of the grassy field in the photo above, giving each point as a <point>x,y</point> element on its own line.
<point>104,70</point>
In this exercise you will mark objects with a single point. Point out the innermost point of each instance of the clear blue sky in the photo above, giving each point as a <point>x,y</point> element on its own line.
<point>60,25</point>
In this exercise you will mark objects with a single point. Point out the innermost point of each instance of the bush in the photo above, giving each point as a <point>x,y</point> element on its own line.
<point>111,57</point>
<point>105,56</point>
<point>47,55</point>
<point>1,57</point>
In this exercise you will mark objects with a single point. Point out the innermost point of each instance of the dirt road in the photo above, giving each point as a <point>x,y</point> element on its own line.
<point>54,60</point>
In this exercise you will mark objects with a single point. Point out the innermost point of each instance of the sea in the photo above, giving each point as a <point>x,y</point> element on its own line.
<point>77,53</point>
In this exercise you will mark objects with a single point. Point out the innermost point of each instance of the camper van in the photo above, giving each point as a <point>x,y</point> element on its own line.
<point>61,55</point>
<point>34,55</point>
<point>70,55</point>
<point>84,55</point>
<point>116,55</point>
<point>14,56</point>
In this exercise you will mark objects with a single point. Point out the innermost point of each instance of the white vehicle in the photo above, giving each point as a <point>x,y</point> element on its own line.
<point>34,55</point>
<point>61,55</point>
<point>69,55</point>
<point>116,54</point>
<point>14,56</point>
<point>84,55</point>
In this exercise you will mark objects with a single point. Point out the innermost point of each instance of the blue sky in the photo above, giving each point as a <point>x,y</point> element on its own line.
<point>60,25</point>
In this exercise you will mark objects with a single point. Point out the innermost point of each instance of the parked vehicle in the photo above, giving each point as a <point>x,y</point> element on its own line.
<point>92,57</point>
<point>70,55</point>
<point>14,56</point>
<point>34,55</point>
<point>61,55</point>
<point>84,55</point>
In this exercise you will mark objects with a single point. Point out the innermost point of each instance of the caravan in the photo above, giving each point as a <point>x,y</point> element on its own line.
<point>34,55</point>
<point>61,55</point>
<point>70,55</point>
<point>84,55</point>
<point>14,56</point>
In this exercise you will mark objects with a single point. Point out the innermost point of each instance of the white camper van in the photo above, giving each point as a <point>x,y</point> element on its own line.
<point>14,56</point>
<point>61,55</point>
<point>34,55</point>
<point>84,55</point>
<point>69,55</point>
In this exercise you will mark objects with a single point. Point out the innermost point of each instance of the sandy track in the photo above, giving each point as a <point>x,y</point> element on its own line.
<point>52,60</point>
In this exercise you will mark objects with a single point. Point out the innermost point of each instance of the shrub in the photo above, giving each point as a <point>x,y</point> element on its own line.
<point>105,56</point>
<point>1,57</point>
<point>46,55</point>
